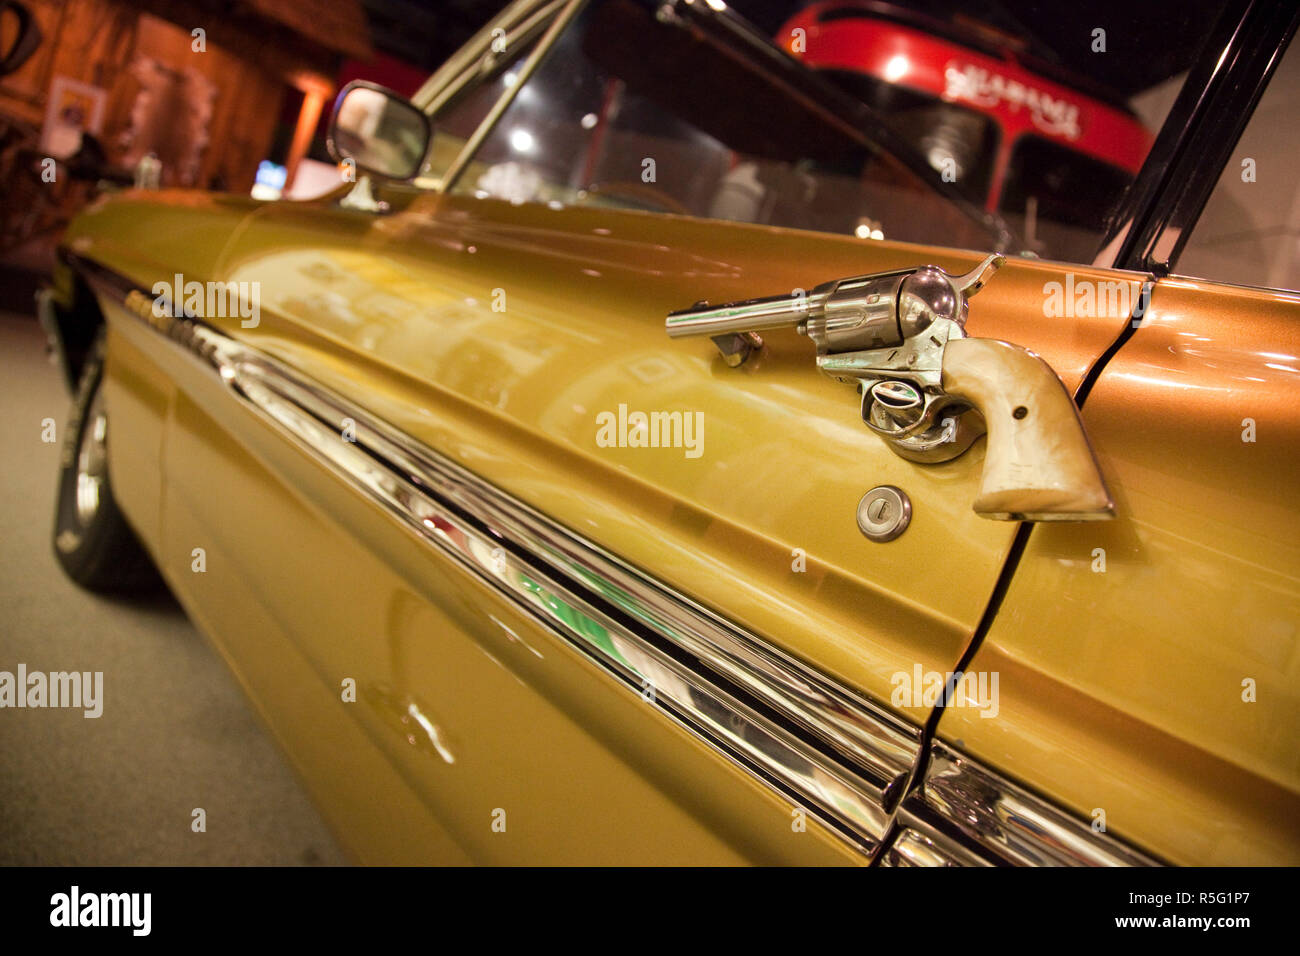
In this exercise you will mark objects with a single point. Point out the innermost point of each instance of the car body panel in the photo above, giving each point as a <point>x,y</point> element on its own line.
<point>184,234</point>
<point>396,312</point>
<point>378,307</point>
<point>458,713</point>
<point>1123,669</point>
<point>140,391</point>
<point>519,723</point>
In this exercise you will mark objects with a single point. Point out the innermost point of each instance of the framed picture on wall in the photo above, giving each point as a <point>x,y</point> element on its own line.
<point>73,109</point>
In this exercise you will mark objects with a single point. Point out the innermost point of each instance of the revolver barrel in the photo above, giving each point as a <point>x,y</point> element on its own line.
<point>847,314</point>
<point>751,315</point>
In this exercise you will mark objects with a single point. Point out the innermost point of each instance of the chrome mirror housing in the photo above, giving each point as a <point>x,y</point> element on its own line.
<point>382,132</point>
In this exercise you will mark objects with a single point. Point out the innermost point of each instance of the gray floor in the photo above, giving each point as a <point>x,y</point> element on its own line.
<point>176,732</point>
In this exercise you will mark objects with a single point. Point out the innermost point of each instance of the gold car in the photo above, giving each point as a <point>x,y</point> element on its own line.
<point>651,454</point>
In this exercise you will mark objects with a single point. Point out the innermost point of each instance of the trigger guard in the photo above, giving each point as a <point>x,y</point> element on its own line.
<point>940,442</point>
<point>875,418</point>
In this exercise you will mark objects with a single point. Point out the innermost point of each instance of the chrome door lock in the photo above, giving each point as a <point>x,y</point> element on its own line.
<point>884,513</point>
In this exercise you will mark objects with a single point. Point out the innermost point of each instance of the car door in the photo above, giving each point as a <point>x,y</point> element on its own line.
<point>1148,666</point>
<point>623,643</point>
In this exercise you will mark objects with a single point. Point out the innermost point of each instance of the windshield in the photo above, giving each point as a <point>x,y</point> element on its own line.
<point>939,123</point>
<point>636,110</point>
<point>1044,112</point>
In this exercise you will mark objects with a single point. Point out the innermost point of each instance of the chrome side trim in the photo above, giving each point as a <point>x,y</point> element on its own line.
<point>922,847</point>
<point>820,745</point>
<point>968,805</point>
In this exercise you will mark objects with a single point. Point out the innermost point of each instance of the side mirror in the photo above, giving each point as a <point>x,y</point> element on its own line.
<point>26,38</point>
<point>381,131</point>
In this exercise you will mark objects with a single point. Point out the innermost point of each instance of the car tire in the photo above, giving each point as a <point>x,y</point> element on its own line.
<point>92,539</point>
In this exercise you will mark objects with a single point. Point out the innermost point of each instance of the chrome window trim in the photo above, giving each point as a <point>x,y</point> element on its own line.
<point>436,91</point>
<point>557,26</point>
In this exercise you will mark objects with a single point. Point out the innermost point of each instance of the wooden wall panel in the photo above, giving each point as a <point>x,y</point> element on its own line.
<point>97,41</point>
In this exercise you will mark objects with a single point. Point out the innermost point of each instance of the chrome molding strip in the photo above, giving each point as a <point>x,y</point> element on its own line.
<point>822,747</point>
<point>984,814</point>
<point>921,846</point>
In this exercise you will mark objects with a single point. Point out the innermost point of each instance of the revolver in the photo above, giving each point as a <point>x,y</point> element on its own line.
<point>927,389</point>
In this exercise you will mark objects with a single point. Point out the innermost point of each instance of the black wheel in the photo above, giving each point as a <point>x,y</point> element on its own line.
<point>92,539</point>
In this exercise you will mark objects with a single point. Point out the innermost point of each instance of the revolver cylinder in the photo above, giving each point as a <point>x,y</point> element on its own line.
<point>883,311</point>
